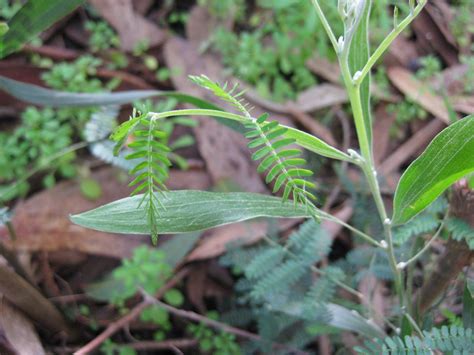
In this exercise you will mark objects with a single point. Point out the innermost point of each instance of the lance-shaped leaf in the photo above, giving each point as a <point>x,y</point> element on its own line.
<point>34,17</point>
<point>46,97</point>
<point>187,211</point>
<point>358,57</point>
<point>449,157</point>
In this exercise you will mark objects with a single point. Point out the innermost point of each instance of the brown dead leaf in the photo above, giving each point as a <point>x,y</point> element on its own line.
<point>418,92</point>
<point>201,25</point>
<point>321,96</point>
<point>402,52</point>
<point>17,333</point>
<point>429,37</point>
<point>381,133</point>
<point>130,25</point>
<point>419,140</point>
<point>463,104</point>
<point>42,221</point>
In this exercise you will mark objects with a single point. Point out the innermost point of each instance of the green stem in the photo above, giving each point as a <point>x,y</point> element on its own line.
<point>367,165</point>
<point>326,25</point>
<point>404,264</point>
<point>388,41</point>
<point>361,234</point>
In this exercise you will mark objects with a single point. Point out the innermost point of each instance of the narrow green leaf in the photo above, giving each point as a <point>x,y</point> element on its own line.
<point>448,158</point>
<point>259,154</point>
<point>315,144</point>
<point>40,96</point>
<point>358,57</point>
<point>46,97</point>
<point>187,211</point>
<point>34,17</point>
<point>262,118</point>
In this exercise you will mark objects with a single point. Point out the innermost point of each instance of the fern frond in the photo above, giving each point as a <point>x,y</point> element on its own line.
<point>449,340</point>
<point>422,224</point>
<point>264,262</point>
<point>320,293</point>
<point>461,230</point>
<point>273,149</point>
<point>310,243</point>
<point>281,278</point>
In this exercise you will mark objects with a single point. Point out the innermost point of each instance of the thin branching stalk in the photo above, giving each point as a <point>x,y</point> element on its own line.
<point>399,28</point>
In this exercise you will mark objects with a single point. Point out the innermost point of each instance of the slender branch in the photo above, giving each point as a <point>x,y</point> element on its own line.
<point>130,316</point>
<point>414,325</point>
<point>403,264</point>
<point>358,232</point>
<point>214,324</point>
<point>326,25</point>
<point>113,328</point>
<point>359,78</point>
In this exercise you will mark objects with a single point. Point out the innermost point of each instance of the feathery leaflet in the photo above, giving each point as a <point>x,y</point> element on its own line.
<point>282,163</point>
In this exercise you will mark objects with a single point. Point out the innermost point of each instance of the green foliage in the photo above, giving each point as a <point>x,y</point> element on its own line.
<point>32,18</point>
<point>446,159</point>
<point>282,162</point>
<point>102,36</point>
<point>277,40</point>
<point>430,66</point>
<point>9,8</point>
<point>461,25</point>
<point>147,270</point>
<point>222,9</point>
<point>41,135</point>
<point>151,170</point>
<point>278,287</point>
<point>108,347</point>
<point>461,230</point>
<point>47,132</point>
<point>449,340</point>
<point>214,342</point>
<point>188,211</point>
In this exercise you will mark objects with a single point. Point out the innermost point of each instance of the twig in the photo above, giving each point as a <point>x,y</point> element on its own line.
<point>456,256</point>
<point>214,324</point>
<point>134,313</point>
<point>113,328</point>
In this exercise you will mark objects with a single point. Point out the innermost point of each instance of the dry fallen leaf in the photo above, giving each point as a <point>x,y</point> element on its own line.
<point>418,92</point>
<point>17,333</point>
<point>131,26</point>
<point>233,161</point>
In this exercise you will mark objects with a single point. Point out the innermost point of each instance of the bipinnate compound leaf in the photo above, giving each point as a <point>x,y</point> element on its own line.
<point>449,157</point>
<point>187,211</point>
<point>34,17</point>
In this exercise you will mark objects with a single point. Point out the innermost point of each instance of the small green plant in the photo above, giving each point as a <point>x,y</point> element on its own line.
<point>212,342</point>
<point>283,276</point>
<point>102,36</point>
<point>9,8</point>
<point>49,132</point>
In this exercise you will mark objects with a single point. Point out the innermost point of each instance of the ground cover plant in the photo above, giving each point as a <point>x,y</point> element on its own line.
<point>391,277</point>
